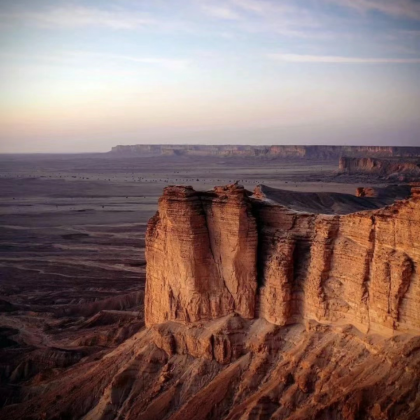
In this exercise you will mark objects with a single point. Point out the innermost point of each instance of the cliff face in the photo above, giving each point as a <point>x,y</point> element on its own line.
<point>293,152</point>
<point>256,311</point>
<point>384,168</point>
<point>223,252</point>
<point>201,253</point>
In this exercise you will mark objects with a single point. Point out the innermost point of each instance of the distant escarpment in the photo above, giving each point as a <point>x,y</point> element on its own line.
<point>399,170</point>
<point>211,254</point>
<point>290,152</point>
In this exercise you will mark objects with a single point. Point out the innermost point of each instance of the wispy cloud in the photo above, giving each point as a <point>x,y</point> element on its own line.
<point>77,16</point>
<point>334,59</point>
<point>398,8</point>
<point>260,7</point>
<point>83,58</point>
<point>286,10</point>
<point>170,63</point>
<point>284,18</point>
<point>221,12</point>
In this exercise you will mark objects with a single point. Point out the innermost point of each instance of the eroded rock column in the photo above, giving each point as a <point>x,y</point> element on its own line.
<point>201,256</point>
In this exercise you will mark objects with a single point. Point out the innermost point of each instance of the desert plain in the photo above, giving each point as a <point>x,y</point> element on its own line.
<point>72,251</point>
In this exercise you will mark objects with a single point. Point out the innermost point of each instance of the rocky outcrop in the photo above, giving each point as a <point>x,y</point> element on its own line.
<point>201,252</point>
<point>254,311</point>
<point>237,370</point>
<point>358,268</point>
<point>289,152</point>
<point>403,171</point>
<point>211,254</point>
<point>366,192</point>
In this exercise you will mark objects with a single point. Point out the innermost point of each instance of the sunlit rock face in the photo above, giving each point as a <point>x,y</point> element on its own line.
<point>211,254</point>
<point>202,256</point>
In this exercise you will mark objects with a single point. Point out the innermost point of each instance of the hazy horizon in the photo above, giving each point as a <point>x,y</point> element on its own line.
<point>84,76</point>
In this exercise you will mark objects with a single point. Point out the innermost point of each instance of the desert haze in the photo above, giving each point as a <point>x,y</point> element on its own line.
<point>134,288</point>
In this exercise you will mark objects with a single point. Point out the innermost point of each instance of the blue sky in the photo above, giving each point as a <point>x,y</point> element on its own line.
<point>81,76</point>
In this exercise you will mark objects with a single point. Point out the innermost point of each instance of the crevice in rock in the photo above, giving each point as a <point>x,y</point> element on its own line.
<point>261,255</point>
<point>301,261</point>
<point>218,264</point>
<point>328,253</point>
<point>407,274</point>
<point>212,347</point>
<point>388,279</point>
<point>368,269</point>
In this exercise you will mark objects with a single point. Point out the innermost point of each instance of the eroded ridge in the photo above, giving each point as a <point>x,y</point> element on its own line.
<point>211,254</point>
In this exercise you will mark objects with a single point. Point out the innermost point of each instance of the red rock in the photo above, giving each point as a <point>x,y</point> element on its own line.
<point>358,268</point>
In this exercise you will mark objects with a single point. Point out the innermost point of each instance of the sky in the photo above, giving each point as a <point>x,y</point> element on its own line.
<point>83,76</point>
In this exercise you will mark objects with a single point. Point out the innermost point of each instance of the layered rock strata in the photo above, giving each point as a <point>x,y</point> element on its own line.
<point>293,152</point>
<point>211,254</point>
<point>385,168</point>
<point>248,306</point>
<point>201,253</point>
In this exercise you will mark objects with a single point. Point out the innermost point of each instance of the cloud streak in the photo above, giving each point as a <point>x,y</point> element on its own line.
<point>78,16</point>
<point>259,7</point>
<point>79,58</point>
<point>334,59</point>
<point>221,12</point>
<point>173,64</point>
<point>397,8</point>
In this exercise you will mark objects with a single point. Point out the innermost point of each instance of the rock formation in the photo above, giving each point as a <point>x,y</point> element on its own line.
<point>211,254</point>
<point>366,192</point>
<point>257,311</point>
<point>293,152</point>
<point>237,369</point>
<point>403,171</point>
<point>201,252</point>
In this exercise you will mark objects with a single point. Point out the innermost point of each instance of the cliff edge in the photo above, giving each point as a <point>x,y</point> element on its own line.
<point>269,151</point>
<point>256,311</point>
<point>389,169</point>
<point>211,254</point>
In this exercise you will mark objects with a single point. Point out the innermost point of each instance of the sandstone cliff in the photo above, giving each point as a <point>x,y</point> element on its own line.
<point>216,253</point>
<point>408,171</point>
<point>289,152</point>
<point>258,311</point>
<point>201,252</point>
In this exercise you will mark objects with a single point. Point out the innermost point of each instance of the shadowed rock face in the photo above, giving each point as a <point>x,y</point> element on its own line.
<point>334,203</point>
<point>207,252</point>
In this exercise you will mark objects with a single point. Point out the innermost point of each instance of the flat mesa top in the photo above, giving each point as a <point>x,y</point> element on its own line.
<point>311,202</point>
